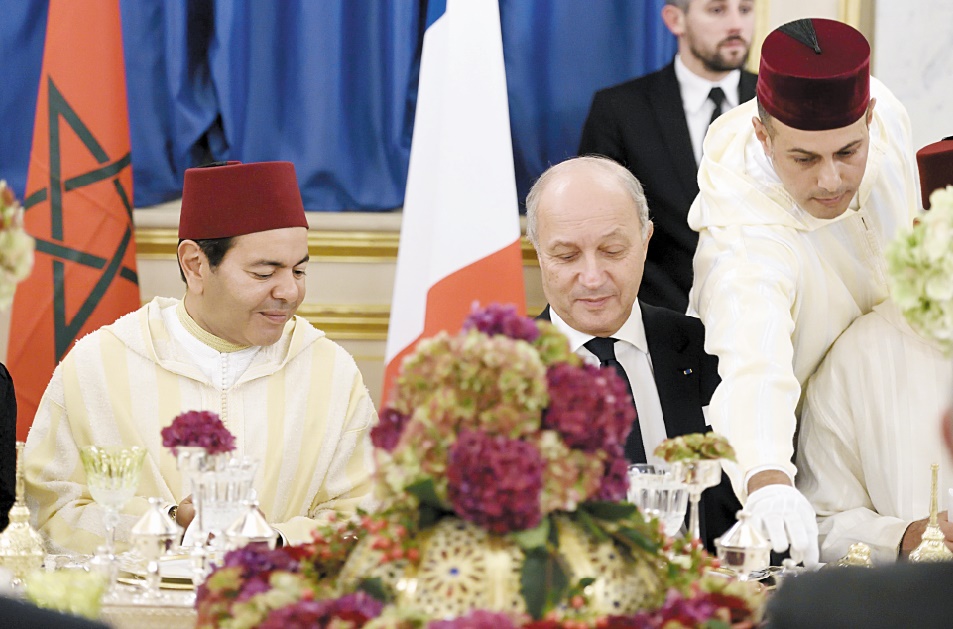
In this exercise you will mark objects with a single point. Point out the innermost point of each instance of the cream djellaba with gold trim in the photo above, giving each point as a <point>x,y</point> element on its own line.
<point>299,406</point>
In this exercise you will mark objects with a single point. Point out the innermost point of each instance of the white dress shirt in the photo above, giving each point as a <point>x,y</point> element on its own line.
<point>695,101</point>
<point>632,352</point>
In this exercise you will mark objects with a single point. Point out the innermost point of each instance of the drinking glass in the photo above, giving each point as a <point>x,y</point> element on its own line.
<point>112,475</point>
<point>658,495</point>
<point>218,495</point>
<point>698,475</point>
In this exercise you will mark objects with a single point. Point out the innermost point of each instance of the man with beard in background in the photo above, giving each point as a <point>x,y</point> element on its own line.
<point>654,126</point>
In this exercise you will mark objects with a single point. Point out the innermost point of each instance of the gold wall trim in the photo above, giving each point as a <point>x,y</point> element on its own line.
<point>340,246</point>
<point>360,323</point>
<point>762,26</point>
<point>343,246</point>
<point>849,12</point>
<point>364,322</point>
<point>529,253</point>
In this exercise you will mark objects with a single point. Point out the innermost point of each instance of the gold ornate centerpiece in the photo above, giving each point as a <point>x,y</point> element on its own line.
<point>21,547</point>
<point>501,478</point>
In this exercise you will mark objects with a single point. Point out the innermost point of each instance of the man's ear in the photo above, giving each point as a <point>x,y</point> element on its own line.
<point>674,19</point>
<point>870,111</point>
<point>761,132</point>
<point>194,265</point>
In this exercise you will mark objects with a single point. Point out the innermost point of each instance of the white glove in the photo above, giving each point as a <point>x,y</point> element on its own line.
<point>786,517</point>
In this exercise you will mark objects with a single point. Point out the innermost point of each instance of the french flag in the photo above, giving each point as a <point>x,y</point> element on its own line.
<point>459,238</point>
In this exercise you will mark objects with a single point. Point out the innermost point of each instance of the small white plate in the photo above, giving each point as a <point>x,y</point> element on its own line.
<point>171,568</point>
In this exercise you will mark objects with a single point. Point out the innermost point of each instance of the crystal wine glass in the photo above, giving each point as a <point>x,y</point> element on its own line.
<point>698,475</point>
<point>659,495</point>
<point>112,475</point>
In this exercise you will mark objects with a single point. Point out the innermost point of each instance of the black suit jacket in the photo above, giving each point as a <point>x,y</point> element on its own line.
<point>641,124</point>
<point>902,595</point>
<point>686,378</point>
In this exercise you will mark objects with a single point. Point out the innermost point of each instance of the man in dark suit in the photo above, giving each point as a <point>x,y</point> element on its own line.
<point>588,219</point>
<point>654,126</point>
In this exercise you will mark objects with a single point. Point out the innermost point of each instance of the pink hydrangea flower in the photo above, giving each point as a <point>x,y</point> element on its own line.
<point>589,407</point>
<point>477,619</point>
<point>502,319</point>
<point>201,429</point>
<point>495,482</point>
<point>615,481</point>
<point>390,425</point>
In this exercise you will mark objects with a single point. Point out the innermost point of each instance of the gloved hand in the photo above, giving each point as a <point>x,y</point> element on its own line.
<point>786,517</point>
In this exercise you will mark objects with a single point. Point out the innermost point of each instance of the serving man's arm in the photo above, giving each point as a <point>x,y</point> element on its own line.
<point>745,295</point>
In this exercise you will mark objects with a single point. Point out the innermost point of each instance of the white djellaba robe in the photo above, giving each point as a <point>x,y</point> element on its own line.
<point>775,286</point>
<point>298,406</point>
<point>870,429</point>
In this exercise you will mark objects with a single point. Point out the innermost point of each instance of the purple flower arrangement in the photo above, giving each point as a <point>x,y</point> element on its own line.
<point>502,426</point>
<point>505,422</point>
<point>198,429</point>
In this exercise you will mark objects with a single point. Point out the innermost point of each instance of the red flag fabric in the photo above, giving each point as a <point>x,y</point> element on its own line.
<point>78,198</point>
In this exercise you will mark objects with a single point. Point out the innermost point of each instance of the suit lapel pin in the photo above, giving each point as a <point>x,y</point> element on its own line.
<point>687,372</point>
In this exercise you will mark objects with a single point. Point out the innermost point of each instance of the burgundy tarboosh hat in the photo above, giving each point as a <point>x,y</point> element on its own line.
<point>935,162</point>
<point>815,74</point>
<point>221,201</point>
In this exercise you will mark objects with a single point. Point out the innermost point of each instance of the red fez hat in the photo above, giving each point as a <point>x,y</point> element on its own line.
<point>233,199</point>
<point>935,162</point>
<point>815,74</point>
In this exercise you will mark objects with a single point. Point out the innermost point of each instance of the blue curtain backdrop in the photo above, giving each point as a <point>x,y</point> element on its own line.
<point>329,85</point>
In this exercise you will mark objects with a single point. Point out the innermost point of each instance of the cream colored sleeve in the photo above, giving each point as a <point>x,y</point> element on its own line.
<point>348,484</point>
<point>744,293</point>
<point>62,508</point>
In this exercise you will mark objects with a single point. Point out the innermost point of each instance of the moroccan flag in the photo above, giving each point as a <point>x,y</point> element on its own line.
<point>78,198</point>
<point>459,238</point>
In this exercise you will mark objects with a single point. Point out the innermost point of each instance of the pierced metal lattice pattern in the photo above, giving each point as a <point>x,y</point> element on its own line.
<point>623,585</point>
<point>366,563</point>
<point>462,568</point>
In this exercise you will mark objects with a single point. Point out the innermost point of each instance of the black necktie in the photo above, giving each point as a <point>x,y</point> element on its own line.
<point>604,349</point>
<point>717,96</point>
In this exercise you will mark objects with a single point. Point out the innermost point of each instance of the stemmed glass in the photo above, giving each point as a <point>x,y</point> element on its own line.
<point>657,494</point>
<point>112,475</point>
<point>698,475</point>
